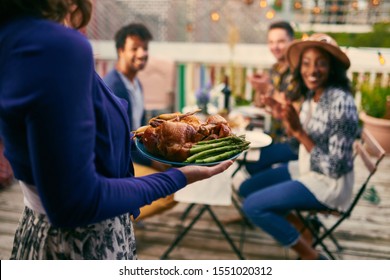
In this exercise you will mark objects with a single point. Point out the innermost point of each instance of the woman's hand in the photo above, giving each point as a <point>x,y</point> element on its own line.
<point>262,86</point>
<point>274,107</point>
<point>260,82</point>
<point>291,120</point>
<point>196,173</point>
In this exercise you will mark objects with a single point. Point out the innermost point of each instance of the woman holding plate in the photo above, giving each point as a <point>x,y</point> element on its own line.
<point>67,138</point>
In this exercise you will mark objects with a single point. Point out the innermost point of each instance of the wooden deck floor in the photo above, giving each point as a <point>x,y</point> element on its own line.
<point>366,235</point>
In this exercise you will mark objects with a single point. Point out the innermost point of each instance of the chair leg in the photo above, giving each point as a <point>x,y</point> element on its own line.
<point>325,248</point>
<point>225,234</point>
<point>336,243</point>
<point>182,234</point>
<point>187,229</point>
<point>242,235</point>
<point>314,229</point>
<point>331,237</point>
<point>244,222</point>
<point>328,233</point>
<point>187,211</point>
<point>242,214</point>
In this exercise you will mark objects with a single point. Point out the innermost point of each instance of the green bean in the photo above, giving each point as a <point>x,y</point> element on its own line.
<point>219,157</point>
<point>196,149</point>
<point>232,137</point>
<point>208,152</point>
<point>205,142</point>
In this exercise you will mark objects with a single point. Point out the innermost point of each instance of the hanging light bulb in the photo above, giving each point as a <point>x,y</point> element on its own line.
<point>270,14</point>
<point>215,16</point>
<point>304,36</point>
<point>381,58</point>
<point>334,8</point>
<point>298,5</point>
<point>316,10</point>
<point>263,3</point>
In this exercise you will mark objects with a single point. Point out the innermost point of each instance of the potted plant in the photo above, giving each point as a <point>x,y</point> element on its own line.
<point>375,113</point>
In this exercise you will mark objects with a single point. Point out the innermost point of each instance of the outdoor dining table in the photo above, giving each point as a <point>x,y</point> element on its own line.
<point>217,191</point>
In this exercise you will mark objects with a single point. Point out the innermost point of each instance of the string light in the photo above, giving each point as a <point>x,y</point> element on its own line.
<point>270,14</point>
<point>316,10</point>
<point>297,5</point>
<point>304,36</point>
<point>381,58</point>
<point>215,16</point>
<point>263,3</point>
<point>375,2</point>
<point>334,8</point>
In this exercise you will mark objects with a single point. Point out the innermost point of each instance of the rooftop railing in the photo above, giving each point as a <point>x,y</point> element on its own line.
<point>195,65</point>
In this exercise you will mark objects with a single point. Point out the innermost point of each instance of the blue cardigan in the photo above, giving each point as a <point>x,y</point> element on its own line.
<point>115,83</point>
<point>63,129</point>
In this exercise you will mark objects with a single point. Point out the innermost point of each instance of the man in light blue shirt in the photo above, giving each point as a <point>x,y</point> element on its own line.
<point>132,42</point>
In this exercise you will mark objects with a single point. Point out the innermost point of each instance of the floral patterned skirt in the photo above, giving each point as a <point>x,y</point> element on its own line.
<point>36,239</point>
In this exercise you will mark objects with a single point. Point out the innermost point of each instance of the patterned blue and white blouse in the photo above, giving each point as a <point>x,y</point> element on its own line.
<point>333,126</point>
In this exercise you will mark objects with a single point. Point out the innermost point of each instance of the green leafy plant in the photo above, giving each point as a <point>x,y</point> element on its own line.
<point>377,38</point>
<point>374,99</point>
<point>241,101</point>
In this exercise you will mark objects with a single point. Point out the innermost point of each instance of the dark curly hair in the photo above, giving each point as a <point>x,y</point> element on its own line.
<point>55,10</point>
<point>337,76</point>
<point>132,29</point>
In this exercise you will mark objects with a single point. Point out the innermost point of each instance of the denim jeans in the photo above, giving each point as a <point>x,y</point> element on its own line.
<point>270,155</point>
<point>269,196</point>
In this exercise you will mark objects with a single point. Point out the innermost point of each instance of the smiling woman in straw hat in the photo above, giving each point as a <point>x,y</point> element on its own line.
<point>339,62</point>
<point>326,128</point>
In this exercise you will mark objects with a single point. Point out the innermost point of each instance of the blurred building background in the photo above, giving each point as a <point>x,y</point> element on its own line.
<point>233,21</point>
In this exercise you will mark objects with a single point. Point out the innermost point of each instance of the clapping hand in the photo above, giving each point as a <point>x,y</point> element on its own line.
<point>290,119</point>
<point>260,82</point>
<point>275,107</point>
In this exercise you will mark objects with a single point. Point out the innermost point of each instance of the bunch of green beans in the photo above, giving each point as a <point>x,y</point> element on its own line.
<point>217,149</point>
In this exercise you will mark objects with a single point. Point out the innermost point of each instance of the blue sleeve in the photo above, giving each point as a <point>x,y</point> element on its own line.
<point>137,157</point>
<point>57,104</point>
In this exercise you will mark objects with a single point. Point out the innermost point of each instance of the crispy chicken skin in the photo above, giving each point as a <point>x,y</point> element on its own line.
<point>173,138</point>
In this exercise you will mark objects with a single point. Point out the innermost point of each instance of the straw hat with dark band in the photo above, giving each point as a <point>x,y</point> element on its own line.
<point>319,40</point>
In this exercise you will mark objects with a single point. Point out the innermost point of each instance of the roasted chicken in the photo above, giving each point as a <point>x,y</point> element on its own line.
<point>172,135</point>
